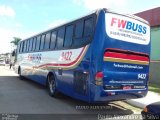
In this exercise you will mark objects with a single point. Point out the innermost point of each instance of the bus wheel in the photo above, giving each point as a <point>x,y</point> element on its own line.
<point>52,86</point>
<point>20,75</point>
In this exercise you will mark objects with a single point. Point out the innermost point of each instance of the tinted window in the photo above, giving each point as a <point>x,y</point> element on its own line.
<point>47,41</point>
<point>53,40</point>
<point>68,36</point>
<point>79,29</point>
<point>60,38</point>
<point>42,42</point>
<point>38,43</point>
<point>88,27</point>
<point>22,44</point>
<point>20,47</point>
<point>34,43</point>
<point>30,45</point>
<point>25,45</point>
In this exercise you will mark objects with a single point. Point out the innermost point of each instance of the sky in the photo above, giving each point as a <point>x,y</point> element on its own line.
<point>23,18</point>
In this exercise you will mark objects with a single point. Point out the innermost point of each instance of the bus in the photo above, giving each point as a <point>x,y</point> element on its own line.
<point>103,56</point>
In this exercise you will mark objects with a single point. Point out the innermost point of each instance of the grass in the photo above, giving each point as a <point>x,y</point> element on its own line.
<point>154,87</point>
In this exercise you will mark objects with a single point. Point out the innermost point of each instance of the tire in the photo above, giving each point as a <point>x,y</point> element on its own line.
<point>19,72</point>
<point>51,86</point>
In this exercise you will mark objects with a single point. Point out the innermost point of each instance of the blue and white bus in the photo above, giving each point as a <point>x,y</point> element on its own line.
<point>99,57</point>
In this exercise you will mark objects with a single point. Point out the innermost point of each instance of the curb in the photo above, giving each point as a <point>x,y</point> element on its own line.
<point>136,104</point>
<point>142,102</point>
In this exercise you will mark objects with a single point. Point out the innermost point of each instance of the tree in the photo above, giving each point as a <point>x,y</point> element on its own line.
<point>15,40</point>
<point>13,57</point>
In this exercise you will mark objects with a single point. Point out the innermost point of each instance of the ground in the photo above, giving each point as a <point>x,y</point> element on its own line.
<point>27,97</point>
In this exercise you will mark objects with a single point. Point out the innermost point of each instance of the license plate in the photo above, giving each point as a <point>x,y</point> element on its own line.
<point>127,87</point>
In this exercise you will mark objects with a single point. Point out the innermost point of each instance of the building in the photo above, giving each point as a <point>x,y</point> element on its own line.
<point>5,57</point>
<point>153,17</point>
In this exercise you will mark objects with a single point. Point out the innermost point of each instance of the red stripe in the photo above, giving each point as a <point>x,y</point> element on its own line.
<point>67,64</point>
<point>126,56</point>
<point>120,50</point>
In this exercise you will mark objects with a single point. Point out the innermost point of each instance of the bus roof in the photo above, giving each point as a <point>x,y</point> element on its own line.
<point>92,12</point>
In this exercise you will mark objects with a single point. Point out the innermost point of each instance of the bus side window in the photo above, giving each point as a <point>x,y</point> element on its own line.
<point>60,38</point>
<point>88,27</point>
<point>27,45</point>
<point>30,45</point>
<point>78,34</point>
<point>42,42</point>
<point>68,36</point>
<point>24,49</point>
<point>79,29</point>
<point>47,41</point>
<point>38,43</point>
<point>22,46</point>
<point>53,40</point>
<point>33,44</point>
<point>19,48</point>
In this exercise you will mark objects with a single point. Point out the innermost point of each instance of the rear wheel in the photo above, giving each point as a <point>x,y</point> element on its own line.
<point>52,86</point>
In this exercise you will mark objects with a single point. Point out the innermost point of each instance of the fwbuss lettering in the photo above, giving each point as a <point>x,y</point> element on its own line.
<point>34,57</point>
<point>128,25</point>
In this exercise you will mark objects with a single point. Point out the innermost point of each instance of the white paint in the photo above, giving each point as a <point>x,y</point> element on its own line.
<point>131,36</point>
<point>49,57</point>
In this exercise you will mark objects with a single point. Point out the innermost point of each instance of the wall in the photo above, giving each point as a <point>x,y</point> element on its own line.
<point>155,43</point>
<point>155,55</point>
<point>155,72</point>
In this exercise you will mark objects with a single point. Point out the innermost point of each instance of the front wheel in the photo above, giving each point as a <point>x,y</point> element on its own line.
<point>52,86</point>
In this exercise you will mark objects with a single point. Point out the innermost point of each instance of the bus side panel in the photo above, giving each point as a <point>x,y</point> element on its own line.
<point>75,82</point>
<point>97,54</point>
<point>29,70</point>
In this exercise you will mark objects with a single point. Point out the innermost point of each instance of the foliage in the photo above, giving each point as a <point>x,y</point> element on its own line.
<point>15,40</point>
<point>154,87</point>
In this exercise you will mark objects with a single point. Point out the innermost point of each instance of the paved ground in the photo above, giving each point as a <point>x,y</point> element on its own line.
<point>27,97</point>
<point>150,98</point>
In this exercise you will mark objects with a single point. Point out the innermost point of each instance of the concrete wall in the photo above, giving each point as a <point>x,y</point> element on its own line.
<point>155,43</point>
<point>155,72</point>
<point>155,55</point>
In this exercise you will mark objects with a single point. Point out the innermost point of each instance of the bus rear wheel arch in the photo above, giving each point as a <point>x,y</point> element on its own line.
<point>51,85</point>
